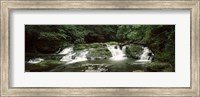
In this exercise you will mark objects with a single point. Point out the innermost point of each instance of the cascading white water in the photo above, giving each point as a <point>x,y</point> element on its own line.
<point>66,50</point>
<point>78,56</point>
<point>146,56</point>
<point>145,53</point>
<point>69,53</point>
<point>68,57</point>
<point>81,56</point>
<point>117,53</point>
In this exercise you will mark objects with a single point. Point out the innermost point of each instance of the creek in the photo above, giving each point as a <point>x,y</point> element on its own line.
<point>79,61</point>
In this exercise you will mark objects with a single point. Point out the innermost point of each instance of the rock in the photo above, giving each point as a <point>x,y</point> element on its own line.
<point>115,47</point>
<point>88,46</point>
<point>134,51</point>
<point>112,43</point>
<point>99,54</point>
<point>73,57</point>
<point>102,70</point>
<point>95,67</point>
<point>90,70</point>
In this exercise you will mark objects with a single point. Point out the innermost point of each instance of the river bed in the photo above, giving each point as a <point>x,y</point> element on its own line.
<point>107,65</point>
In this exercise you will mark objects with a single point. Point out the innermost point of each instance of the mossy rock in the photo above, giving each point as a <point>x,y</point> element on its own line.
<point>96,45</point>
<point>48,62</point>
<point>88,46</point>
<point>80,47</point>
<point>45,65</point>
<point>134,51</point>
<point>112,43</point>
<point>159,67</point>
<point>99,53</point>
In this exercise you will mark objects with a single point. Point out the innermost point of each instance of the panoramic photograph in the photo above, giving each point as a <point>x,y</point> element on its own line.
<point>99,48</point>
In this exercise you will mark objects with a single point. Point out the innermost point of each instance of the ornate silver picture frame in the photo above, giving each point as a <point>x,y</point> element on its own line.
<point>8,5</point>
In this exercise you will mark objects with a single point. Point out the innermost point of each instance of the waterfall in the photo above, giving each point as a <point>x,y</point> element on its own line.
<point>73,57</point>
<point>66,50</point>
<point>79,57</point>
<point>68,57</point>
<point>146,55</point>
<point>117,53</point>
<point>68,54</point>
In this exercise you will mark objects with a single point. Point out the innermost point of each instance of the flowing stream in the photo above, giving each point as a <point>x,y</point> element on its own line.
<point>76,61</point>
<point>73,57</point>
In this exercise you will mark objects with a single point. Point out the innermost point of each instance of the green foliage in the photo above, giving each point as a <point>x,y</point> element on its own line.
<point>52,36</point>
<point>132,32</point>
<point>43,38</point>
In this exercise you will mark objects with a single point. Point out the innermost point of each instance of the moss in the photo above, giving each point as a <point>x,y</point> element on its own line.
<point>42,66</point>
<point>99,53</point>
<point>112,43</point>
<point>48,62</point>
<point>159,67</point>
<point>134,51</point>
<point>88,46</point>
<point>80,47</point>
<point>96,45</point>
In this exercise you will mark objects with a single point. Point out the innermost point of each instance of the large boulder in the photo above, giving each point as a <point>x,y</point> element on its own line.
<point>98,54</point>
<point>134,51</point>
<point>97,51</point>
<point>112,43</point>
<point>88,46</point>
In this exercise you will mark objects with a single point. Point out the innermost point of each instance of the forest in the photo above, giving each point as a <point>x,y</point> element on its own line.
<point>52,45</point>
